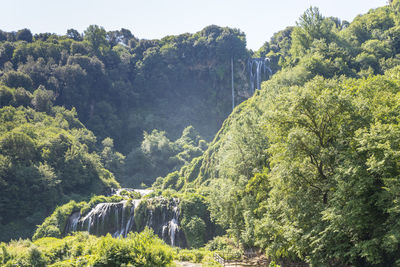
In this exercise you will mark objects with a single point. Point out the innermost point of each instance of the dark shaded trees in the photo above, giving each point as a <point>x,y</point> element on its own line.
<point>74,34</point>
<point>24,35</point>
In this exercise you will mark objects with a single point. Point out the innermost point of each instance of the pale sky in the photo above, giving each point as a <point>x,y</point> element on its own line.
<point>154,19</point>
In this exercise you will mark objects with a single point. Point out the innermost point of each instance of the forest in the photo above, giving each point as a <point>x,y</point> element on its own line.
<point>306,170</point>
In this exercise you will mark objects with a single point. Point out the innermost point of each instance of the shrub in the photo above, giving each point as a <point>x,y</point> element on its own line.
<point>194,231</point>
<point>82,249</point>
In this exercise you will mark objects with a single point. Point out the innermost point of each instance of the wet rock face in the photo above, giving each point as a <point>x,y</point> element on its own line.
<point>120,218</point>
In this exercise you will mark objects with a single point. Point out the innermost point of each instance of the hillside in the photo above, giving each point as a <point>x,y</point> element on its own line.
<point>121,86</point>
<point>307,168</point>
<point>45,160</point>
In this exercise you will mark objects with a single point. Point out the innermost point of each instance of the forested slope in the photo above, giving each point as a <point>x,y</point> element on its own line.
<point>68,103</point>
<point>45,159</point>
<point>307,169</point>
<point>121,86</point>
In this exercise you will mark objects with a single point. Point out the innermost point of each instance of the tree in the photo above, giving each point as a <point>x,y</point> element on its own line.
<point>43,99</point>
<point>15,79</point>
<point>311,26</point>
<point>43,36</point>
<point>311,22</point>
<point>395,5</point>
<point>126,36</point>
<point>6,52</point>
<point>111,159</point>
<point>74,34</point>
<point>24,35</point>
<point>96,36</point>
<point>3,36</point>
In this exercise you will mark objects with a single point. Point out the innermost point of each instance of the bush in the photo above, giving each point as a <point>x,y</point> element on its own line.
<point>193,255</point>
<point>138,249</point>
<point>195,220</point>
<point>82,249</point>
<point>53,226</point>
<point>194,231</point>
<point>220,243</point>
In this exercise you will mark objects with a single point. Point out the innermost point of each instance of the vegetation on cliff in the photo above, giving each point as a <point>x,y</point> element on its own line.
<point>45,160</point>
<point>307,169</point>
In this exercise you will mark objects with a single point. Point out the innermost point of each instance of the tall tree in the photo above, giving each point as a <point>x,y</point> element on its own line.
<point>96,36</point>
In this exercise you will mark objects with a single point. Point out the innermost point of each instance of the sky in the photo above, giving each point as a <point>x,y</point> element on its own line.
<point>154,19</point>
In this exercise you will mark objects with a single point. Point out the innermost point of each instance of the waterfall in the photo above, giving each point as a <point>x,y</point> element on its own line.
<point>173,226</point>
<point>118,219</point>
<point>258,69</point>
<point>106,218</point>
<point>233,87</point>
<point>72,222</point>
<point>142,192</point>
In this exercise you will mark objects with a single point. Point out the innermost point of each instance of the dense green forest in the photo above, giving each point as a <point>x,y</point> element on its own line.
<point>46,159</point>
<point>307,169</point>
<point>134,96</point>
<point>121,86</point>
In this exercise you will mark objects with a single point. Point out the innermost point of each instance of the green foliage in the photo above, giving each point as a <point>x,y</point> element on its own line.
<point>96,37</point>
<point>81,249</point>
<point>130,194</point>
<point>159,156</point>
<point>273,264</point>
<point>170,180</point>
<point>311,26</point>
<point>143,249</point>
<point>24,35</point>
<point>43,99</point>
<point>222,244</point>
<point>194,231</point>
<point>330,47</point>
<point>54,225</point>
<point>320,180</point>
<point>201,255</point>
<point>16,79</point>
<point>45,160</point>
<point>122,86</point>
<point>74,34</point>
<point>141,215</point>
<point>195,220</point>
<point>111,159</point>
<point>307,169</point>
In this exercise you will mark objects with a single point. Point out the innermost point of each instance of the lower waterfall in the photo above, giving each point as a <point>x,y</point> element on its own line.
<point>118,219</point>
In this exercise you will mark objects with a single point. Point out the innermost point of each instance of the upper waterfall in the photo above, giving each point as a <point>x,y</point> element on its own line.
<point>258,71</point>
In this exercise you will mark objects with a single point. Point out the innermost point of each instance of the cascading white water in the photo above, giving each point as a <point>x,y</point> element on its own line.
<point>173,226</point>
<point>72,222</point>
<point>118,219</point>
<point>258,68</point>
<point>131,217</point>
<point>142,192</point>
